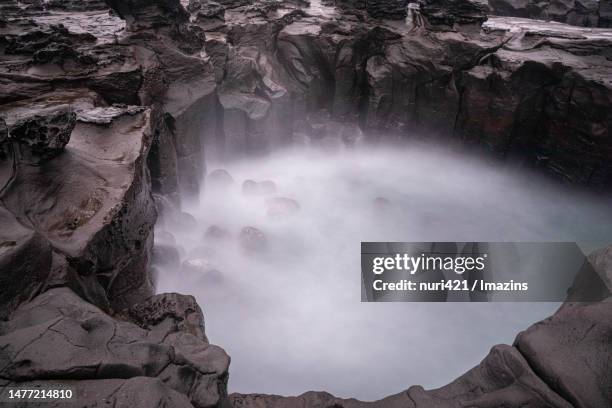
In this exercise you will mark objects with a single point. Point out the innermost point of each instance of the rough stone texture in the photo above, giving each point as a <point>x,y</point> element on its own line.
<point>44,135</point>
<point>580,333</point>
<point>587,13</point>
<point>394,9</point>
<point>76,5</point>
<point>25,262</point>
<point>91,204</point>
<point>145,14</point>
<point>181,309</point>
<point>88,344</point>
<point>507,89</point>
<point>5,150</point>
<point>452,12</point>
<point>155,90</point>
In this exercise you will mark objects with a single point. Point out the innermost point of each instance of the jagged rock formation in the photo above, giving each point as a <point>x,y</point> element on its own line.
<point>167,361</point>
<point>101,112</point>
<point>587,13</point>
<point>303,77</point>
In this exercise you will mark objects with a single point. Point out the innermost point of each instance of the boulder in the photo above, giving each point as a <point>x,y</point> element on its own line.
<point>182,310</point>
<point>252,239</point>
<point>165,238</point>
<point>570,351</point>
<point>250,187</point>
<point>219,178</point>
<point>281,206</point>
<point>216,233</point>
<point>266,187</point>
<point>196,267</point>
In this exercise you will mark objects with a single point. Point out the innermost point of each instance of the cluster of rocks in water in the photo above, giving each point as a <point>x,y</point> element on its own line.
<point>106,110</point>
<point>198,265</point>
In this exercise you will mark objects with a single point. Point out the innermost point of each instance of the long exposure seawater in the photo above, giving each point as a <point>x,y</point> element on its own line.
<point>274,262</point>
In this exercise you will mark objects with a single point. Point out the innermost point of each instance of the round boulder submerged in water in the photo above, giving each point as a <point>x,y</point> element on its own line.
<point>252,239</point>
<point>281,206</point>
<point>201,270</point>
<point>215,232</point>
<point>219,178</point>
<point>251,188</point>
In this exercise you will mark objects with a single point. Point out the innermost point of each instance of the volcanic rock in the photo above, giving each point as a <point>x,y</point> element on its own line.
<point>45,135</point>
<point>587,13</point>
<point>140,14</point>
<point>91,205</point>
<point>89,345</point>
<point>165,238</point>
<point>252,239</point>
<point>216,233</point>
<point>194,267</point>
<point>280,206</point>
<point>182,310</point>
<point>219,178</point>
<point>266,187</point>
<point>452,12</point>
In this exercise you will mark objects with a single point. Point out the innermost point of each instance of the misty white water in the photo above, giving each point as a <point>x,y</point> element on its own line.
<point>290,315</point>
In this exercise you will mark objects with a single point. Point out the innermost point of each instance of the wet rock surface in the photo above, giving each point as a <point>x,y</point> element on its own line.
<point>100,110</point>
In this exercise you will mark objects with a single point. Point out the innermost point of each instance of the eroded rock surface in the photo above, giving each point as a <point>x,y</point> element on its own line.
<point>99,110</point>
<point>167,347</point>
<point>587,13</point>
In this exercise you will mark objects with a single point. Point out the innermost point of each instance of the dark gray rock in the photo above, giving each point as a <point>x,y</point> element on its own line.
<point>571,352</point>
<point>392,9</point>
<point>452,12</point>
<point>143,14</point>
<point>252,239</point>
<point>77,5</point>
<point>25,263</point>
<point>44,135</point>
<point>90,345</point>
<point>183,311</point>
<point>209,15</point>
<point>586,13</point>
<point>92,203</point>
<point>4,140</point>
